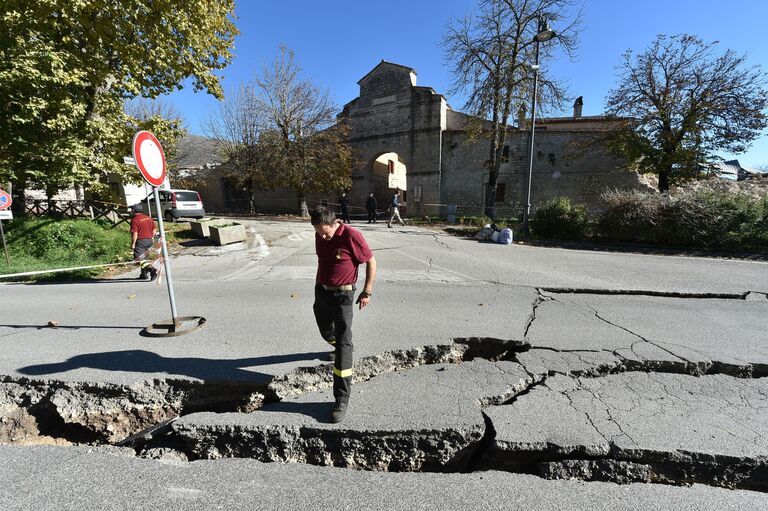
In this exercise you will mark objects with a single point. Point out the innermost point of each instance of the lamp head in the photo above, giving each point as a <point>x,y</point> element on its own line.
<point>545,33</point>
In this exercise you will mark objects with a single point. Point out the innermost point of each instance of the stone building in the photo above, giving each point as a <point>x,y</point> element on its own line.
<point>407,136</point>
<point>396,120</point>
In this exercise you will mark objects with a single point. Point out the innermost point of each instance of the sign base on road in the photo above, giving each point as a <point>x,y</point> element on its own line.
<point>170,328</point>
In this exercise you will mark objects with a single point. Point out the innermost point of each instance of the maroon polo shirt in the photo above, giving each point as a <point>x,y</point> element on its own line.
<point>143,226</point>
<point>339,257</point>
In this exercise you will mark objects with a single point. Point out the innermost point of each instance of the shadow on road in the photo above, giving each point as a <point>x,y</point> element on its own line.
<point>75,281</point>
<point>74,327</point>
<point>141,361</point>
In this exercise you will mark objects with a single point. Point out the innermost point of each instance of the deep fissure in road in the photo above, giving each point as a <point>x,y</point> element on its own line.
<point>143,417</point>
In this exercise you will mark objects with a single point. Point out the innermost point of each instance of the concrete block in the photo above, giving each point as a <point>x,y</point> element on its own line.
<point>202,229</point>
<point>226,234</point>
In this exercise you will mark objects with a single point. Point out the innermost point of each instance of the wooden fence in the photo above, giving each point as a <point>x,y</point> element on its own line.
<point>77,209</point>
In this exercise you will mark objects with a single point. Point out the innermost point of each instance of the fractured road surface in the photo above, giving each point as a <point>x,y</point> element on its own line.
<point>470,362</point>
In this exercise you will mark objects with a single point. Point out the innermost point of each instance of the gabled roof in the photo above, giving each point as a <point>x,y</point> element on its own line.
<point>734,170</point>
<point>389,64</point>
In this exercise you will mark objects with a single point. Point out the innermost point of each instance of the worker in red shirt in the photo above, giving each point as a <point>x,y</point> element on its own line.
<point>142,239</point>
<point>340,250</point>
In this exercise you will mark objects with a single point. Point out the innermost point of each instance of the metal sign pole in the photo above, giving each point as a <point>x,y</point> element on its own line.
<point>166,262</point>
<point>5,247</point>
<point>149,158</point>
<point>149,204</point>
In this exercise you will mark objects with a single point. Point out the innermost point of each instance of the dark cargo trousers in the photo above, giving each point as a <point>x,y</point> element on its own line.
<point>139,253</point>
<point>333,313</point>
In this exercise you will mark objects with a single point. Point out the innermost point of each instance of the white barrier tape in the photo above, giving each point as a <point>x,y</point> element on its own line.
<point>59,270</point>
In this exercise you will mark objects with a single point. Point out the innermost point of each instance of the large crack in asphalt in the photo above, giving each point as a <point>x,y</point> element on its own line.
<point>747,295</point>
<point>675,361</point>
<point>472,379</point>
<point>34,411</point>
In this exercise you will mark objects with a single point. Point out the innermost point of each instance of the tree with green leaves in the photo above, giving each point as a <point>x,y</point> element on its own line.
<point>67,66</point>
<point>490,53</point>
<point>683,102</point>
<point>301,145</point>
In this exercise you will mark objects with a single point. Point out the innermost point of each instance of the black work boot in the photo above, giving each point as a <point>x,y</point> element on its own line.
<point>338,412</point>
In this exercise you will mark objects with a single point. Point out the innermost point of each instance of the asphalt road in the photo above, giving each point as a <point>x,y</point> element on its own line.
<point>571,320</point>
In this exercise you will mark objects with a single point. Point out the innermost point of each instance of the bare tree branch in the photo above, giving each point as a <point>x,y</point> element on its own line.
<point>489,52</point>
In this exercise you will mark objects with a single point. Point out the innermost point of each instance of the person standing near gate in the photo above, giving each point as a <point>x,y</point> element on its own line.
<point>394,210</point>
<point>370,206</point>
<point>340,250</point>
<point>344,205</point>
<point>142,239</point>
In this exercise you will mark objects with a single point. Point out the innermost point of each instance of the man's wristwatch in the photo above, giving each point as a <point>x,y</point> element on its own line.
<point>368,293</point>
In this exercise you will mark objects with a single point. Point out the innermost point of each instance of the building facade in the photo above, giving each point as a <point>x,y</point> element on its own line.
<point>407,137</point>
<point>442,166</point>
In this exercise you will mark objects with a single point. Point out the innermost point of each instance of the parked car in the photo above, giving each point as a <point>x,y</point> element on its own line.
<point>179,203</point>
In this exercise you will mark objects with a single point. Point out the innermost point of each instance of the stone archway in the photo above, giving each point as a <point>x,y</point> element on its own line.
<point>387,172</point>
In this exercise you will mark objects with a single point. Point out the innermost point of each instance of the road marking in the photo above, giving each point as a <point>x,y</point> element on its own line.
<point>262,248</point>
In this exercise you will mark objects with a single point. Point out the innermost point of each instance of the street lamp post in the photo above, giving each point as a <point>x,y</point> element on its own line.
<point>544,34</point>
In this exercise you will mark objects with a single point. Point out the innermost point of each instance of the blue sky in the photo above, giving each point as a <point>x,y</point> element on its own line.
<point>338,41</point>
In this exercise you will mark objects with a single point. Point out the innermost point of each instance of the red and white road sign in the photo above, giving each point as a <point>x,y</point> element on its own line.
<point>5,200</point>
<point>149,157</point>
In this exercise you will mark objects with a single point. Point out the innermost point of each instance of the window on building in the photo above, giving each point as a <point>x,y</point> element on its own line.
<point>505,154</point>
<point>391,166</point>
<point>500,192</point>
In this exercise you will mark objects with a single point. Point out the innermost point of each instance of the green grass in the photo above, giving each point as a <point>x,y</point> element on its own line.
<point>178,232</point>
<point>45,243</point>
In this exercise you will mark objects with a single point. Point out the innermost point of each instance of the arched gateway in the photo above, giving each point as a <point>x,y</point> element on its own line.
<point>387,172</point>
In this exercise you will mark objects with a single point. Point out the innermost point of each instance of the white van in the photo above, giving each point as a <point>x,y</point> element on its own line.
<point>179,203</point>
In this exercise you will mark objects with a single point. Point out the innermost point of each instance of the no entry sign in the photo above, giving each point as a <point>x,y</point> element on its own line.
<point>149,157</point>
<point>5,200</point>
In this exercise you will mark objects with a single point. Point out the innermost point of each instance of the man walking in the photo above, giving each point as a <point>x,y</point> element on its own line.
<point>370,205</point>
<point>340,250</point>
<point>394,210</point>
<point>344,206</point>
<point>142,238</point>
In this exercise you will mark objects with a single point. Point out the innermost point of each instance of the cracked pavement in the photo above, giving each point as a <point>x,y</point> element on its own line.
<point>530,377</point>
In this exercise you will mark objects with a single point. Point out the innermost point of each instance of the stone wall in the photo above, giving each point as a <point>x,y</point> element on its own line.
<point>565,163</point>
